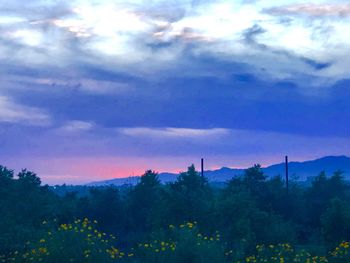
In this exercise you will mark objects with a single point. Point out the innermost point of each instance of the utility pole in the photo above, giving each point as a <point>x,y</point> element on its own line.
<point>202,167</point>
<point>287,175</point>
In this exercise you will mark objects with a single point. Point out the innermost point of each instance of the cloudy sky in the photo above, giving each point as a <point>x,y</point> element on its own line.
<point>97,89</point>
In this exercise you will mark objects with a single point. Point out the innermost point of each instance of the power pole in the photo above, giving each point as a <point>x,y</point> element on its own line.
<point>287,175</point>
<point>202,167</point>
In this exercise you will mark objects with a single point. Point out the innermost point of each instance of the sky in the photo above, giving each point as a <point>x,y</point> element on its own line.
<point>98,89</point>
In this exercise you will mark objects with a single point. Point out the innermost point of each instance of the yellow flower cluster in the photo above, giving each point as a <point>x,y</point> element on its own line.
<point>158,246</point>
<point>92,243</point>
<point>84,235</point>
<point>341,251</point>
<point>284,253</point>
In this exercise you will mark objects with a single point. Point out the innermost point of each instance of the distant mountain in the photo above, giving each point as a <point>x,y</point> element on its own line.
<point>301,171</point>
<point>117,181</point>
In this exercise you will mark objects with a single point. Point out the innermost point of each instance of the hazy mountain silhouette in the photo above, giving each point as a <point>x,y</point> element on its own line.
<point>298,170</point>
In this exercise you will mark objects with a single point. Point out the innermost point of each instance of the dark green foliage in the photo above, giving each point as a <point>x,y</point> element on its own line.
<point>336,221</point>
<point>248,210</point>
<point>24,204</point>
<point>318,196</point>
<point>5,174</point>
<point>183,243</point>
<point>142,203</point>
<point>105,206</point>
<point>28,178</point>
<point>187,198</point>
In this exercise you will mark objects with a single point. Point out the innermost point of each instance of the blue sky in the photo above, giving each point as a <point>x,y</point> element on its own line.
<point>100,89</point>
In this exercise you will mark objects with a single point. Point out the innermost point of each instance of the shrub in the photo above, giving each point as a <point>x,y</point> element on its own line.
<point>76,242</point>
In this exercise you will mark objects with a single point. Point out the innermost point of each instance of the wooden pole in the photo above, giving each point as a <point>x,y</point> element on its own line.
<point>287,175</point>
<point>202,167</point>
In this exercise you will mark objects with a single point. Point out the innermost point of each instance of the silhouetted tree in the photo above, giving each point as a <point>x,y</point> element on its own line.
<point>335,221</point>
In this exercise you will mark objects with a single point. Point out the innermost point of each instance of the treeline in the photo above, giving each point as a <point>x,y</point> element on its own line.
<point>250,210</point>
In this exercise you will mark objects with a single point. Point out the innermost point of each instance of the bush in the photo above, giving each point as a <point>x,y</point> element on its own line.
<point>182,244</point>
<point>76,242</point>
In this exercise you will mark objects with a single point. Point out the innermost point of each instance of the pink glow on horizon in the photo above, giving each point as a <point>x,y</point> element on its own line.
<point>81,170</point>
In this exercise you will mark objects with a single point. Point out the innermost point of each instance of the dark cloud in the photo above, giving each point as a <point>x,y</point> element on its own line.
<point>251,33</point>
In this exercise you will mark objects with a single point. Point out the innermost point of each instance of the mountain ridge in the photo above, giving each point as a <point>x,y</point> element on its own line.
<point>298,170</point>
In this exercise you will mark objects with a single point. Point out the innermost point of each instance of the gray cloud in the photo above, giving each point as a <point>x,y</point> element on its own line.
<point>11,112</point>
<point>173,132</point>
